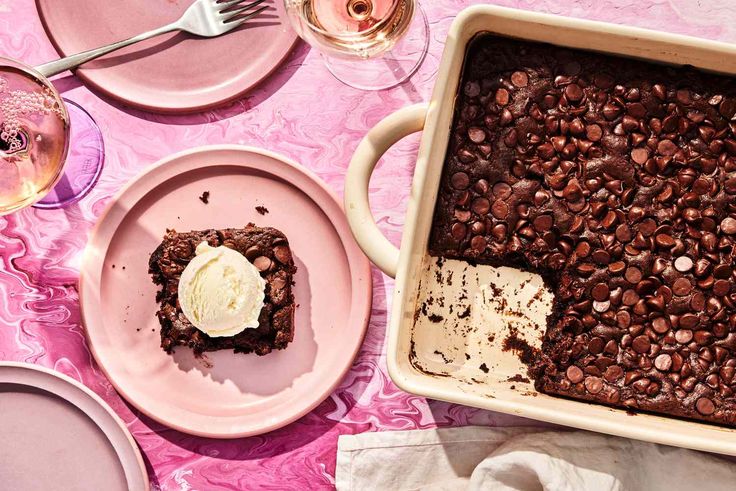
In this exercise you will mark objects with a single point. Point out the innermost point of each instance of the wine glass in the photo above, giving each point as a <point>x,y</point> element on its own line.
<point>36,126</point>
<point>367,44</point>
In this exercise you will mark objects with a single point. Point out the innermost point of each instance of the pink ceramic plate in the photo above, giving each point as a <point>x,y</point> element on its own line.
<point>58,434</point>
<point>225,395</point>
<point>173,72</point>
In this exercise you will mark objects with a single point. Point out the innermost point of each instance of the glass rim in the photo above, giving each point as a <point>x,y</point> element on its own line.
<point>354,35</point>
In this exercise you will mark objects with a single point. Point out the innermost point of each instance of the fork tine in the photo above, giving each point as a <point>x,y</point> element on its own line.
<point>232,13</point>
<point>225,5</point>
<point>236,3</point>
<point>241,20</point>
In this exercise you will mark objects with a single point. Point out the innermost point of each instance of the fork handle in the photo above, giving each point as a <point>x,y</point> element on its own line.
<point>67,63</point>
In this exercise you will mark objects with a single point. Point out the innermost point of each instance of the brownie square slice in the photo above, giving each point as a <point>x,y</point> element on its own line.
<point>267,248</point>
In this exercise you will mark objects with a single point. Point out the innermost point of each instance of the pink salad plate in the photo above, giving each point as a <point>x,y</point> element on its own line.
<point>175,72</point>
<point>223,394</point>
<point>58,434</point>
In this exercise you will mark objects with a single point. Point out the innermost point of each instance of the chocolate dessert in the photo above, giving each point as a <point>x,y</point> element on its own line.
<point>615,179</point>
<point>267,249</point>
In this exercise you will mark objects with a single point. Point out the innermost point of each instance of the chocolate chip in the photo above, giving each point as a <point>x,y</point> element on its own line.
<point>705,406</point>
<point>458,231</point>
<point>574,374</point>
<point>623,319</point>
<point>611,111</point>
<point>519,79</point>
<point>600,292</point>
<point>684,336</point>
<point>462,215</point>
<point>727,108</point>
<point>641,344</point>
<point>623,233</point>
<point>252,253</point>
<point>476,135</point>
<point>613,373</point>
<point>478,244</point>
<point>543,223</point>
<point>660,325</point>
<point>721,287</point>
<point>593,384</point>
<point>730,185</point>
<point>689,321</point>
<point>500,209</point>
<point>262,263</point>
<point>595,346</point>
<point>722,271</point>
<point>481,206</point>
<point>460,180</point>
<point>506,117</point>
<point>617,267</point>
<point>601,256</point>
<point>647,227</point>
<point>593,132</point>
<point>681,286</point>
<point>633,274</point>
<point>472,89</point>
<point>574,93</point>
<point>630,297</point>
<point>728,226</point>
<point>683,264</point>
<point>601,307</point>
<point>665,241</point>
<point>282,254</point>
<point>499,232</point>
<point>640,155</point>
<point>663,362</point>
<point>502,97</point>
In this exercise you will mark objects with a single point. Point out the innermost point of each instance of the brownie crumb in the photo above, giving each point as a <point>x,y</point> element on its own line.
<point>205,198</point>
<point>526,353</point>
<point>444,358</point>
<point>435,318</point>
<point>262,210</point>
<point>518,378</point>
<point>484,368</point>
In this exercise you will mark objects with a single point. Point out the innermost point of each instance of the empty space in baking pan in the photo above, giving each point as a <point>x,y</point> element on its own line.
<point>473,322</point>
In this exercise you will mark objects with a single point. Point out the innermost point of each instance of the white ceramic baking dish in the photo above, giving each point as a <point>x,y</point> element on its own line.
<point>445,360</point>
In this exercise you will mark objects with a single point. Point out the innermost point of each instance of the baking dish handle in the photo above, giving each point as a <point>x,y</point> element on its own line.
<point>378,140</point>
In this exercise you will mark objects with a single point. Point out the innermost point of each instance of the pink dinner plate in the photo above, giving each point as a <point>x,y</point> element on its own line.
<point>225,395</point>
<point>58,434</point>
<point>174,72</point>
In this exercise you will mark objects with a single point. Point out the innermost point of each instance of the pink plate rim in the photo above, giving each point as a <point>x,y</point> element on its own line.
<point>193,104</point>
<point>80,403</point>
<point>362,284</point>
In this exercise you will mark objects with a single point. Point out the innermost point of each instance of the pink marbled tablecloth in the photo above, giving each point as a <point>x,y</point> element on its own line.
<point>302,112</point>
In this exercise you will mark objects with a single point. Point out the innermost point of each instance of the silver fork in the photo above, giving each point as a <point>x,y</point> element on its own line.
<point>206,18</point>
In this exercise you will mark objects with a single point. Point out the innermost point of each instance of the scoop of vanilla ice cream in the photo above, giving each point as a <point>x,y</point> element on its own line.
<point>221,292</point>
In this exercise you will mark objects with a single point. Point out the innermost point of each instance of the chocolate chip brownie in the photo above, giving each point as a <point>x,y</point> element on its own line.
<point>616,180</point>
<point>267,248</point>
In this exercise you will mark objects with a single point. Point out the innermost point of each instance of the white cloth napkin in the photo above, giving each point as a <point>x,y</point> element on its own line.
<point>517,458</point>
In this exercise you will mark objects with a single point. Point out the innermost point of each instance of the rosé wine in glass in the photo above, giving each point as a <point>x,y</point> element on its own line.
<point>34,136</point>
<point>367,44</point>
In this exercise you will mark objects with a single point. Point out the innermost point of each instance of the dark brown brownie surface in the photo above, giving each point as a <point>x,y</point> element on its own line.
<point>616,180</point>
<point>267,248</point>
